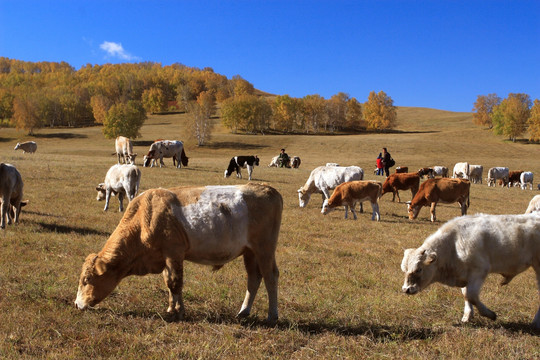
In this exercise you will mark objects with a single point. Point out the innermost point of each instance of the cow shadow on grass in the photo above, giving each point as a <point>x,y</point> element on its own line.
<point>515,327</point>
<point>64,229</point>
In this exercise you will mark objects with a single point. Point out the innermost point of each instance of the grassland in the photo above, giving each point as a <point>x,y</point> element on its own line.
<point>340,279</point>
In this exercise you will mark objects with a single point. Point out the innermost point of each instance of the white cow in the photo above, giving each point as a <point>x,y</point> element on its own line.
<point>124,150</point>
<point>475,173</point>
<point>166,148</point>
<point>274,162</point>
<point>26,147</point>
<point>325,178</point>
<point>440,171</point>
<point>11,193</point>
<point>525,178</point>
<point>465,250</point>
<point>461,170</point>
<point>534,205</point>
<point>496,173</point>
<point>121,180</point>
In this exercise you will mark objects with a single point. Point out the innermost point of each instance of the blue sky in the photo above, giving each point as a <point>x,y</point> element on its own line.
<point>438,53</point>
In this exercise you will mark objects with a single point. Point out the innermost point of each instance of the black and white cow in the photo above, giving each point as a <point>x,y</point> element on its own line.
<point>238,162</point>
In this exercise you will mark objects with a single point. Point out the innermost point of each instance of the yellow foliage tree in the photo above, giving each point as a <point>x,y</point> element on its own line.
<point>380,112</point>
<point>483,109</point>
<point>534,122</point>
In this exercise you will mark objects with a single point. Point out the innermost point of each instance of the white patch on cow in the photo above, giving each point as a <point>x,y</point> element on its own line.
<point>216,225</point>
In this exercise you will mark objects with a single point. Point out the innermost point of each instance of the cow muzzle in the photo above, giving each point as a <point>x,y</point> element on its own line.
<point>410,290</point>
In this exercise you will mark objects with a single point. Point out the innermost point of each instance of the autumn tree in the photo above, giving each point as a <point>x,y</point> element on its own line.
<point>100,106</point>
<point>124,119</point>
<point>314,112</point>
<point>285,110</point>
<point>199,117</point>
<point>534,121</point>
<point>483,109</point>
<point>380,112</point>
<point>6,104</point>
<point>353,115</point>
<point>246,113</point>
<point>511,115</point>
<point>26,111</point>
<point>154,100</point>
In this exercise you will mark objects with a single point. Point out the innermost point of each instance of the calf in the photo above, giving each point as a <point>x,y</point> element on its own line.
<point>534,205</point>
<point>436,190</point>
<point>351,192</point>
<point>209,225</point>
<point>396,182</point>
<point>238,162</point>
<point>121,180</point>
<point>465,250</point>
<point>11,192</point>
<point>27,147</point>
<point>525,178</point>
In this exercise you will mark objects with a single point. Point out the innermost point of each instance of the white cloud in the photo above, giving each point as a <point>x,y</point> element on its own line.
<point>116,50</point>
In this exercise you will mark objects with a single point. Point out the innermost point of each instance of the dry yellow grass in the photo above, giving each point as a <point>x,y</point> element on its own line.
<point>340,279</point>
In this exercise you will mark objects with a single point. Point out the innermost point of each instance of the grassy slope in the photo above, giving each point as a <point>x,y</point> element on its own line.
<point>340,279</point>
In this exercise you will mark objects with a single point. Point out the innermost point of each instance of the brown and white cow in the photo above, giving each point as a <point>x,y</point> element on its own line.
<point>166,149</point>
<point>396,182</point>
<point>461,170</point>
<point>26,147</point>
<point>351,192</point>
<point>441,171</point>
<point>209,225</point>
<point>445,190</point>
<point>11,192</point>
<point>465,250</point>
<point>124,150</point>
<point>402,169</point>
<point>427,171</point>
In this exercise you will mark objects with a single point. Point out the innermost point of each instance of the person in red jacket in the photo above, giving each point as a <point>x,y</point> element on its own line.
<point>380,168</point>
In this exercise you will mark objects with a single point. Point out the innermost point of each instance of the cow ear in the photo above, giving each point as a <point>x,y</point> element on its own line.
<point>405,260</point>
<point>431,257</point>
<point>100,266</point>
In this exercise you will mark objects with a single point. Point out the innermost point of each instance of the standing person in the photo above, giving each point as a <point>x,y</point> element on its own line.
<point>283,159</point>
<point>387,161</point>
<point>380,170</point>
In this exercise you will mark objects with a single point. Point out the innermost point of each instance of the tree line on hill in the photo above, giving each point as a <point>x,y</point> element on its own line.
<point>118,96</point>
<point>512,117</point>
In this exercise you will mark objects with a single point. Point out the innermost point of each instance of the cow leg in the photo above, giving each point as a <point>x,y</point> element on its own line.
<point>249,170</point>
<point>107,198</point>
<point>121,200</point>
<point>118,155</point>
<point>254,278</point>
<point>173,274</point>
<point>347,211</point>
<point>536,321</point>
<point>4,211</point>
<point>471,294</point>
<point>463,205</point>
<point>375,215</point>
<point>432,211</point>
<point>270,275</point>
<point>161,163</point>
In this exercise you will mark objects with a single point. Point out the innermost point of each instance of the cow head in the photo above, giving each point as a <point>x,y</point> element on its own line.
<point>303,197</point>
<point>413,210</point>
<point>419,268</point>
<point>17,146</point>
<point>131,158</point>
<point>100,192</point>
<point>96,282</point>
<point>325,208</point>
<point>256,161</point>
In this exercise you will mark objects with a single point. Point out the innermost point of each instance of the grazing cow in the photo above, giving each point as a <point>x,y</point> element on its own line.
<point>166,148</point>
<point>27,147</point>
<point>461,170</point>
<point>122,180</point>
<point>332,164</point>
<point>441,171</point>
<point>324,178</point>
<point>351,192</point>
<point>427,171</point>
<point>238,162</point>
<point>514,179</point>
<point>445,190</point>
<point>465,250</point>
<point>295,162</point>
<point>396,182</point>
<point>534,205</point>
<point>475,173</point>
<point>496,173</point>
<point>525,178</point>
<point>124,150</point>
<point>11,192</point>
<point>402,169</point>
<point>274,162</point>
<point>209,225</point>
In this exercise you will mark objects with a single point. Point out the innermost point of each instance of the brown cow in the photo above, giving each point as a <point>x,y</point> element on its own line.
<point>514,178</point>
<point>351,192</point>
<point>396,182</point>
<point>402,170</point>
<point>446,190</point>
<point>209,225</point>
